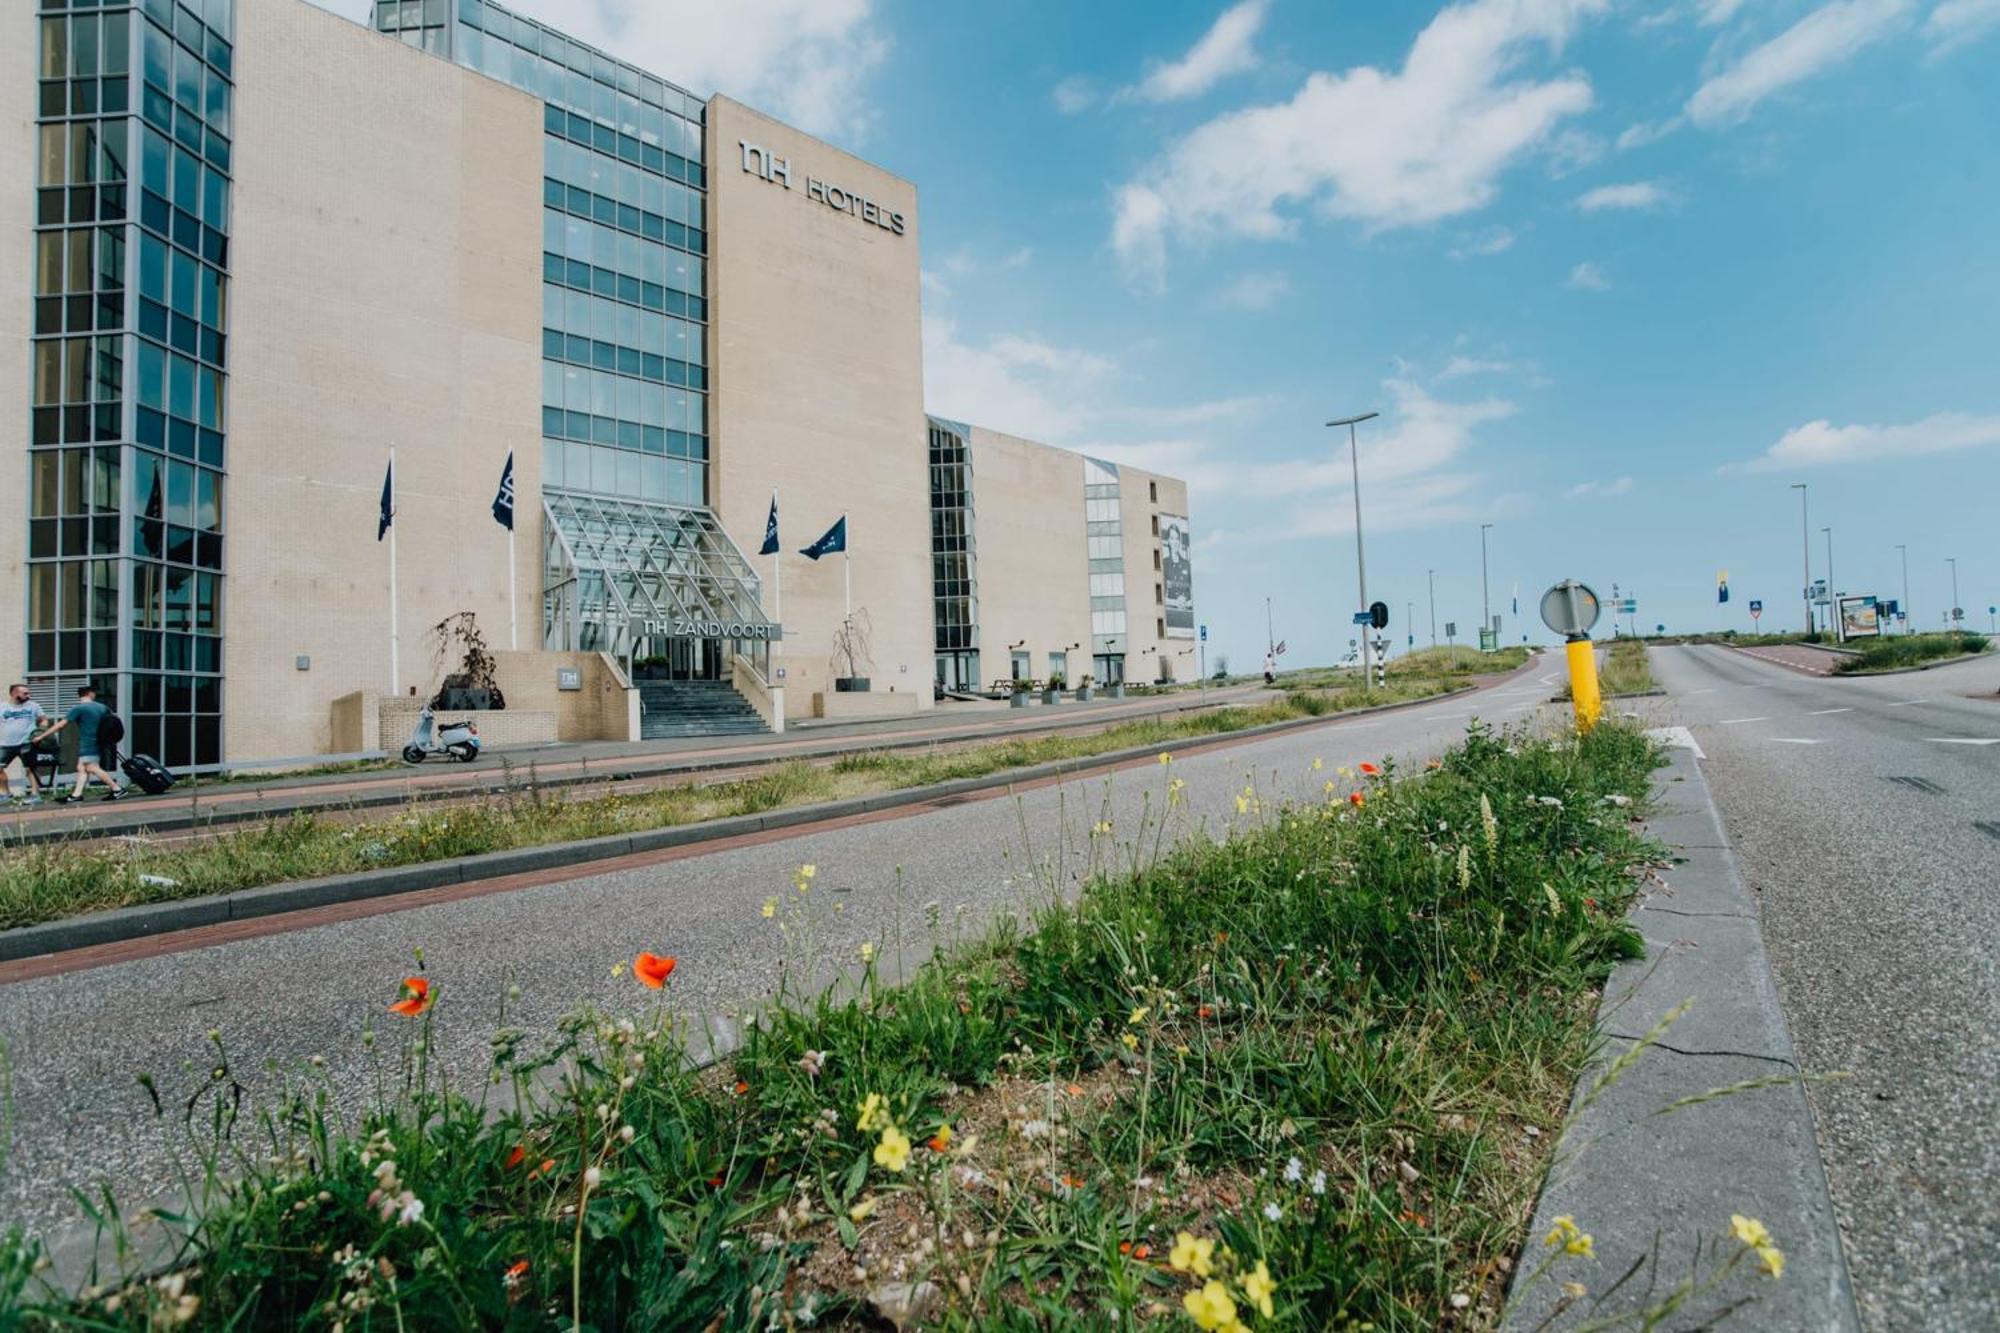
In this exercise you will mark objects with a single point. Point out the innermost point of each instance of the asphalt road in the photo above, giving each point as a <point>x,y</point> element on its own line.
<point>75,1042</point>
<point>1855,806</point>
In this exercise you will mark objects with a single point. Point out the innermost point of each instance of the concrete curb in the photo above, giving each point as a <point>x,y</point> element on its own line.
<point>1651,1187</point>
<point>138,922</point>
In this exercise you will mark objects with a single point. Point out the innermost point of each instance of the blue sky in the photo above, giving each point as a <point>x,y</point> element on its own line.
<point>1616,275</point>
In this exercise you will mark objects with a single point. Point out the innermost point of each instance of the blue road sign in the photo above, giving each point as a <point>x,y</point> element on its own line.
<point>1363,618</point>
<point>1204,634</point>
<point>1755,606</point>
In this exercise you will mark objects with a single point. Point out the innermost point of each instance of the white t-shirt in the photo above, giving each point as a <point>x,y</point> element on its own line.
<point>17,721</point>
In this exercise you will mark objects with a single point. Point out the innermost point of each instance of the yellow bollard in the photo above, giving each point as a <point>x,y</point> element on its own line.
<point>1583,690</point>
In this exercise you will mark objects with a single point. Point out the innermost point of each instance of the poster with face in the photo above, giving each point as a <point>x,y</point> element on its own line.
<point>1177,573</point>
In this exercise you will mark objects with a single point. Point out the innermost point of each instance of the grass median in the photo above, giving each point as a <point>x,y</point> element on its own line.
<point>50,881</point>
<point>1626,668</point>
<point>1900,652</point>
<point>1304,1078</point>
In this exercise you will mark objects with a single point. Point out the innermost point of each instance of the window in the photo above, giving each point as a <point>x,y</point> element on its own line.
<point>1153,491</point>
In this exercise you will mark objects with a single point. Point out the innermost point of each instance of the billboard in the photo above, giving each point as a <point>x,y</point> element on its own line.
<point>1177,575</point>
<point>1860,618</point>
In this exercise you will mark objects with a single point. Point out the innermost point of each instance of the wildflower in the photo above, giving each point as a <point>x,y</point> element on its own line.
<point>1175,788</point>
<point>653,970</point>
<point>1356,799</point>
<point>1464,868</point>
<point>770,908</point>
<point>1204,1011</point>
<point>1555,903</point>
<point>1566,1236</point>
<point>1131,1040</point>
<point>867,951</point>
<point>1101,828</point>
<point>1748,1230</point>
<point>626,1133</point>
<point>1165,758</point>
<point>1616,800</point>
<point>515,1272</point>
<point>893,1152</point>
<point>516,1157</point>
<point>1318,1182</point>
<point>1369,770</point>
<point>548,1165</point>
<point>1210,1307</point>
<point>741,1087</point>
<point>416,998</point>
<point>1192,1254</point>
<point>1489,824</point>
<point>1258,1289</point>
<point>592,1178</point>
<point>411,1212</point>
<point>1139,1015</point>
<point>940,1140</point>
<point>860,1211</point>
<point>874,1114</point>
<point>1272,1212</point>
<point>812,1062</point>
<point>1295,1170</point>
<point>1318,764</point>
<point>1242,805</point>
<point>1330,788</point>
<point>808,870</point>
<point>617,971</point>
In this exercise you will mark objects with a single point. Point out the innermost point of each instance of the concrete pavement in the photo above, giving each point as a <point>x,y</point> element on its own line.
<point>76,1041</point>
<point>1865,815</point>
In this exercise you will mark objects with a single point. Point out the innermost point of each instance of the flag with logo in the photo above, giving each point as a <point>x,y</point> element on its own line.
<point>503,499</point>
<point>1722,586</point>
<point>770,546</point>
<point>388,514</point>
<point>1279,651</point>
<point>835,539</point>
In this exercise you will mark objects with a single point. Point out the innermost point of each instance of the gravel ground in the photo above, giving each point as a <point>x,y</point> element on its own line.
<point>75,1042</point>
<point>1881,915</point>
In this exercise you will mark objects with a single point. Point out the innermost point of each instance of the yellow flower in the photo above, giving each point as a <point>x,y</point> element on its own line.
<point>1565,1235</point>
<point>617,970</point>
<point>770,908</point>
<point>1344,771</point>
<point>1771,1259</point>
<point>860,1211</point>
<point>808,871</point>
<point>867,951</point>
<point>1329,787</point>
<point>1579,1244</point>
<point>1258,1287</point>
<point>1210,1307</point>
<point>1748,1230</point>
<point>1101,827</point>
<point>893,1152</point>
<point>874,1114</point>
<point>1131,1040</point>
<point>1175,788</point>
<point>1165,758</point>
<point>1139,1015</point>
<point>1318,764</point>
<point>1192,1255</point>
<point>1242,806</point>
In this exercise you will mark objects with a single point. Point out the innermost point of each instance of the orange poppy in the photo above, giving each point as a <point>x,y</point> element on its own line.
<point>653,970</point>
<point>741,1087</point>
<point>1369,770</point>
<point>548,1165</point>
<point>516,1157</point>
<point>1124,1247</point>
<point>1204,1011</point>
<point>715,1182</point>
<point>1074,1182</point>
<point>518,1270</point>
<point>1356,799</point>
<point>416,998</point>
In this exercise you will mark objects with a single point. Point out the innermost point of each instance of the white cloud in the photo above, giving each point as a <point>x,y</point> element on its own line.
<point>1073,95</point>
<point>806,62</point>
<point>1386,148</point>
<point>1714,13</point>
<point>1645,132</point>
<point>1460,366</point>
<point>1636,195</point>
<point>1255,291</point>
<point>1817,42</point>
<point>1588,277</point>
<point>1570,151</point>
<point>1956,23</point>
<point>1492,241</point>
<point>1821,442</point>
<point>1225,49</point>
<point>1616,486</point>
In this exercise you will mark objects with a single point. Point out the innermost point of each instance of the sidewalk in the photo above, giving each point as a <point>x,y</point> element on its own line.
<point>1656,1188</point>
<point>192,804</point>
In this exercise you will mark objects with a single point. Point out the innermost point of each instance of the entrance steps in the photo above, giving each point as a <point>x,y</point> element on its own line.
<point>675,708</point>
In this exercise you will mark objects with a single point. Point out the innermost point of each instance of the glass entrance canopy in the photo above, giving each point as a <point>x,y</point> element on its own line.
<point>618,573</point>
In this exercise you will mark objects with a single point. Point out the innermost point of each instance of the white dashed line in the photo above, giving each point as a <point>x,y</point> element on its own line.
<point>1965,740</point>
<point>1907,703</point>
<point>1732,721</point>
<point>1794,740</point>
<point>1822,712</point>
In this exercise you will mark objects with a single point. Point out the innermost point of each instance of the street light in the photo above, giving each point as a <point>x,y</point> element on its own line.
<point>1485,605</point>
<point>1434,606</point>
<point>1832,595</point>
<point>1805,544</point>
<point>1907,623</point>
<point>1954,617</point>
<point>1360,559</point>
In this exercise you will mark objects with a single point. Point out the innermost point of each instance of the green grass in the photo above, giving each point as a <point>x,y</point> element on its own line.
<point>1626,670</point>
<point>1425,664</point>
<point>1387,996</point>
<point>1900,651</point>
<point>50,881</point>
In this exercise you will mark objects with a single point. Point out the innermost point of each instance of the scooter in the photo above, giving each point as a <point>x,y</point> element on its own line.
<point>456,740</point>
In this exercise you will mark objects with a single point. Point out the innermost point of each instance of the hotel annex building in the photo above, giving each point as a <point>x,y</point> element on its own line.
<point>263,245</point>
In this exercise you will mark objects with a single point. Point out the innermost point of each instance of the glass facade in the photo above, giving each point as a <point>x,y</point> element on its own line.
<point>954,558</point>
<point>128,367</point>
<point>1105,537</point>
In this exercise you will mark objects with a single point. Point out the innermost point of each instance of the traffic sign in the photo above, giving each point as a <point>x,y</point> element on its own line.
<point>1378,615</point>
<point>1363,618</point>
<point>1756,609</point>
<point>1570,609</point>
<point>1204,634</point>
<point>1450,629</point>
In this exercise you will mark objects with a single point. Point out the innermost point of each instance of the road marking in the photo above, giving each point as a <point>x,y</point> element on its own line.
<point>1965,740</point>
<point>1909,703</point>
<point>1822,712</point>
<point>1732,721</point>
<point>1793,740</point>
<point>1676,736</point>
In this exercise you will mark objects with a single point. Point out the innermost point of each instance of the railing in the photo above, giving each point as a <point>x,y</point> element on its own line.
<point>766,698</point>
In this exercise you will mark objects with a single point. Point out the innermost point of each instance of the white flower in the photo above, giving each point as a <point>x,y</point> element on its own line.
<point>812,1062</point>
<point>412,1211</point>
<point>1295,1170</point>
<point>592,1178</point>
<point>1272,1212</point>
<point>1618,800</point>
<point>1318,1182</point>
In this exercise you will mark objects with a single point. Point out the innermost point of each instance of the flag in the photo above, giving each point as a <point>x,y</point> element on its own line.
<point>834,540</point>
<point>503,499</point>
<point>1722,586</point>
<point>1279,651</point>
<point>388,502</point>
<point>770,546</point>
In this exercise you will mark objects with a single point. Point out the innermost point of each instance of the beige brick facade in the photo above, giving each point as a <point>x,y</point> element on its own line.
<point>1151,653</point>
<point>386,253</point>
<point>816,363</point>
<point>1033,570</point>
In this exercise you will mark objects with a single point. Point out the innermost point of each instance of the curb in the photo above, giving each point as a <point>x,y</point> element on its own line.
<point>512,778</point>
<point>1658,1190</point>
<point>149,919</point>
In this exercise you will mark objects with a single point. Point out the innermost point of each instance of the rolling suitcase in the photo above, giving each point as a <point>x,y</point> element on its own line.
<point>146,774</point>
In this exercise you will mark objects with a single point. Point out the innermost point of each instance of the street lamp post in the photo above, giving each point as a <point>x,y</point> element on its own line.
<point>1410,623</point>
<point>1485,600</point>
<point>1360,557</point>
<point>1906,585</point>
<point>1805,544</point>
<point>1831,593</point>
<point>1433,574</point>
<point>1953,617</point>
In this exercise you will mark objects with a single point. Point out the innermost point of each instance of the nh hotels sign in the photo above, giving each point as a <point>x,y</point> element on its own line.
<point>759,162</point>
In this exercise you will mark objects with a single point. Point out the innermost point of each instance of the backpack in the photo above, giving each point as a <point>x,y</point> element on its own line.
<point>110,731</point>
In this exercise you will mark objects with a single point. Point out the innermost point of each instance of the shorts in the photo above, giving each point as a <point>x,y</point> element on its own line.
<point>23,752</point>
<point>83,759</point>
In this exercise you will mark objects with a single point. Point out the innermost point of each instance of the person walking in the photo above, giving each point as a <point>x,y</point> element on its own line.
<point>19,717</point>
<point>93,745</point>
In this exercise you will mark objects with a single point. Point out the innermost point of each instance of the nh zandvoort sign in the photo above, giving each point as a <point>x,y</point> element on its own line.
<point>761,163</point>
<point>677,627</point>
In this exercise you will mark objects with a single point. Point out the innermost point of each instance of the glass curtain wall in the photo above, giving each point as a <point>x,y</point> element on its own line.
<point>128,382</point>
<point>954,558</point>
<point>1105,535</point>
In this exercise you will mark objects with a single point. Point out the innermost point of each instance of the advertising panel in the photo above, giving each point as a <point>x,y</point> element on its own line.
<point>1860,618</point>
<point>1177,574</point>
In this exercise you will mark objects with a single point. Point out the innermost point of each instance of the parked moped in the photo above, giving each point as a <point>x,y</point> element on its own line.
<point>455,740</point>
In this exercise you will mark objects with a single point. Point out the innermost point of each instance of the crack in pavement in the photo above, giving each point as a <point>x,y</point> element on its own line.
<point>1682,1050</point>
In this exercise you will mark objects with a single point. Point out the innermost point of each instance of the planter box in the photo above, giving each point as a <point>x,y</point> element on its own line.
<point>1083,693</point>
<point>1115,691</point>
<point>1018,699</point>
<point>850,684</point>
<point>1051,697</point>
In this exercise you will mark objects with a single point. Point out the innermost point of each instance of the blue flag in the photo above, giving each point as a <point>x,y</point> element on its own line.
<point>770,546</point>
<point>388,502</point>
<point>834,540</point>
<point>1722,586</point>
<point>503,499</point>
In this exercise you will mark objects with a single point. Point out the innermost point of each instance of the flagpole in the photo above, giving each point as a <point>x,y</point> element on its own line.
<point>513,602</point>
<point>395,638</point>
<point>777,573</point>
<point>847,566</point>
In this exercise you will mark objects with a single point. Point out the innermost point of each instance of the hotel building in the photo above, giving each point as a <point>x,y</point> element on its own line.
<point>263,246</point>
